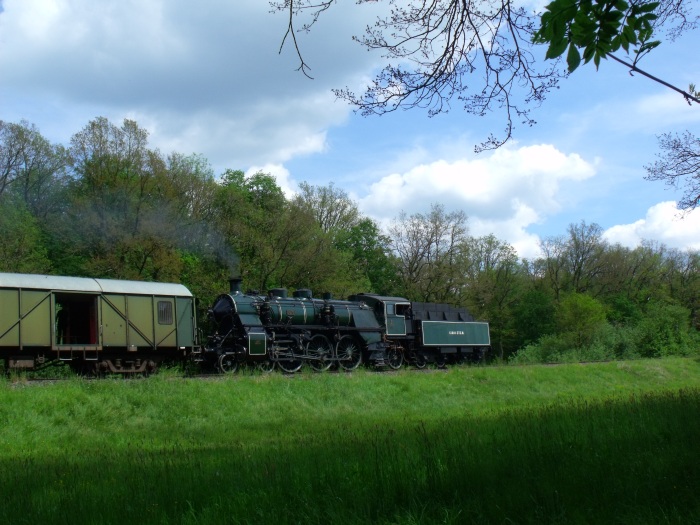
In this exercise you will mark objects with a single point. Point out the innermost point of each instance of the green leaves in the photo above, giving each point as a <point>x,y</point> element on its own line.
<point>593,29</point>
<point>573,58</point>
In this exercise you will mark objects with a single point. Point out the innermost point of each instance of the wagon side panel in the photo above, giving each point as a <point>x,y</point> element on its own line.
<point>9,318</point>
<point>114,321</point>
<point>140,321</point>
<point>165,327</point>
<point>35,318</point>
<point>186,328</point>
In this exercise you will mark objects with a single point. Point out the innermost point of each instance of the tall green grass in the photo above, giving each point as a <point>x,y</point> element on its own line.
<point>603,443</point>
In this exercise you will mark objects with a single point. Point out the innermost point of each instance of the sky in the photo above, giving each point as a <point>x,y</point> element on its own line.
<point>209,78</point>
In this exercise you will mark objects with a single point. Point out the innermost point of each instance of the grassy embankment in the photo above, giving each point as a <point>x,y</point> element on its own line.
<point>599,443</point>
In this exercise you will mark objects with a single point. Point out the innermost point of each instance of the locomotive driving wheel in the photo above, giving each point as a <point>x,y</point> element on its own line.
<point>349,353</point>
<point>288,364</point>
<point>228,363</point>
<point>265,366</point>
<point>318,352</point>
<point>394,357</point>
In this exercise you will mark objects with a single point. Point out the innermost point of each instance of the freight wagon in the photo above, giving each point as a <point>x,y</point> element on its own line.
<point>94,325</point>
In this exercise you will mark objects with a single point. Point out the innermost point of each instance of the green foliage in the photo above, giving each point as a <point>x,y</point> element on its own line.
<point>662,330</point>
<point>621,310</point>
<point>591,30</point>
<point>332,208</point>
<point>22,248</point>
<point>533,316</point>
<point>430,252</point>
<point>578,316</point>
<point>665,330</point>
<point>371,254</point>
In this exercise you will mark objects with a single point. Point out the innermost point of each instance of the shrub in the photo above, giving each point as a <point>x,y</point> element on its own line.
<point>665,331</point>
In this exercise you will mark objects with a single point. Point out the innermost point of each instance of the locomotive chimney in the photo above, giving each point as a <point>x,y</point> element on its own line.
<point>235,285</point>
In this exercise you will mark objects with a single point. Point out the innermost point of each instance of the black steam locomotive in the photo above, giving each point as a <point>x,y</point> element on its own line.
<point>278,330</point>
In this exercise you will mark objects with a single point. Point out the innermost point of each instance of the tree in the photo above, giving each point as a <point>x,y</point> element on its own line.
<point>21,246</point>
<point>31,164</point>
<point>483,53</point>
<point>636,274</point>
<point>280,243</point>
<point>117,221</point>
<point>430,250</point>
<point>683,280</point>
<point>579,315</point>
<point>371,253</point>
<point>679,166</point>
<point>584,250</point>
<point>331,207</point>
<point>533,316</point>
<point>552,267</point>
<point>493,278</point>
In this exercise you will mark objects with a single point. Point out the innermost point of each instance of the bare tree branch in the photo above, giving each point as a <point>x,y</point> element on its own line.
<point>476,51</point>
<point>679,166</point>
<point>481,52</point>
<point>688,96</point>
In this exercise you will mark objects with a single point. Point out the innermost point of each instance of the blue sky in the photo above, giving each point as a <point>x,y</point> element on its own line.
<point>206,77</point>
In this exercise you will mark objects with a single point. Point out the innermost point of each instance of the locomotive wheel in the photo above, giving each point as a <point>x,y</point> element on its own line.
<point>394,358</point>
<point>349,353</point>
<point>441,361</point>
<point>289,366</point>
<point>265,367</point>
<point>319,351</point>
<point>420,362</point>
<point>227,364</point>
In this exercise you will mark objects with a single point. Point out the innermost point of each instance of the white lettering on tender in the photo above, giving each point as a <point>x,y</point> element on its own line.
<point>456,332</point>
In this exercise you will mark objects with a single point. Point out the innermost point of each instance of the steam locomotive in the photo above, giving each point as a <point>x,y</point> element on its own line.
<point>278,330</point>
<point>98,326</point>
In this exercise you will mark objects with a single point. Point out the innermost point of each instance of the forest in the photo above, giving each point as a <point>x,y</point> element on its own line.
<point>107,205</point>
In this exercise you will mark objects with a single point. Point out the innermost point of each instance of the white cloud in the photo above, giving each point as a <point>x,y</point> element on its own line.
<point>281,174</point>
<point>503,193</point>
<point>663,223</point>
<point>201,77</point>
<point>513,230</point>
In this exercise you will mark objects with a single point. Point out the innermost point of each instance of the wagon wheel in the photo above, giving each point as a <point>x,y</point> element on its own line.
<point>287,365</point>
<point>394,358</point>
<point>319,350</point>
<point>227,363</point>
<point>349,353</point>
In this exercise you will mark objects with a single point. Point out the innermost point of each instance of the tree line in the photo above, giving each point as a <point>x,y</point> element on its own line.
<point>107,205</point>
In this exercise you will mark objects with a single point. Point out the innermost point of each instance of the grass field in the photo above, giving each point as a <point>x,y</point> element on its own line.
<point>597,443</point>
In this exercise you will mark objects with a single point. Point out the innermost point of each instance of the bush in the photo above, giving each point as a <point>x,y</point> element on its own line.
<point>616,342</point>
<point>665,331</point>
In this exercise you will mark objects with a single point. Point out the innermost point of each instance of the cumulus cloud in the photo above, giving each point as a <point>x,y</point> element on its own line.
<point>204,76</point>
<point>502,193</point>
<point>664,223</point>
<point>281,175</point>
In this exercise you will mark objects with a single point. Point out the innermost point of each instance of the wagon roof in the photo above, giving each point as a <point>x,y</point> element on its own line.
<point>88,284</point>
